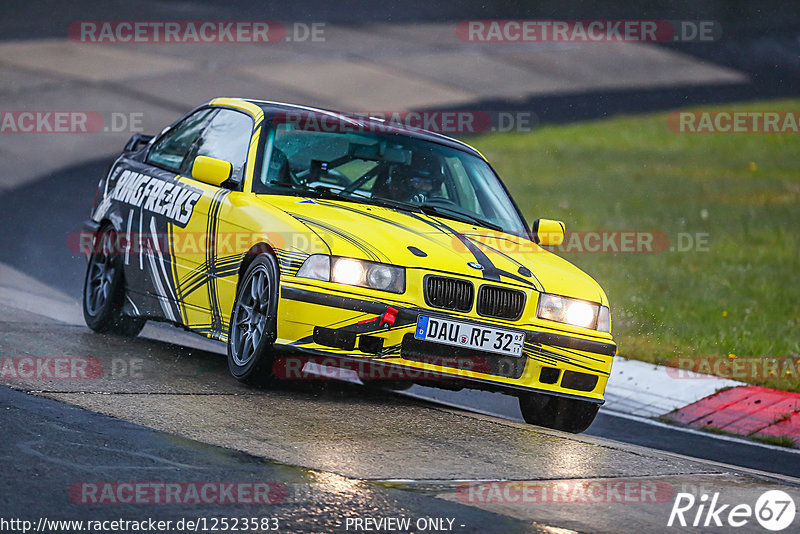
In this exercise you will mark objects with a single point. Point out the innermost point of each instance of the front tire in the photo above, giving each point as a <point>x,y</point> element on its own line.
<point>104,289</point>
<point>558,413</point>
<point>253,326</point>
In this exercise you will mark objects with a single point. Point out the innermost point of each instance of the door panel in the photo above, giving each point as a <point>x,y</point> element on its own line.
<point>206,259</point>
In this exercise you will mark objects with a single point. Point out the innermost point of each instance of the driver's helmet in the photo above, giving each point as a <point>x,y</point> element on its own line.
<point>414,184</point>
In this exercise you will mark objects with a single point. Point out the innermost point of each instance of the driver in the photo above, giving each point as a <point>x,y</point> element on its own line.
<point>415,185</point>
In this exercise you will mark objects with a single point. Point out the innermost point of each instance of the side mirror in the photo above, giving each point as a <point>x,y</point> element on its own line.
<point>211,171</point>
<point>136,142</point>
<point>547,232</point>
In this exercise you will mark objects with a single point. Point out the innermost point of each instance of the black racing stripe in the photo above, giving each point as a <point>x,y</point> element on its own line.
<point>579,355</point>
<point>490,271</point>
<point>439,226</point>
<point>405,316</point>
<point>176,286</point>
<point>302,341</point>
<point>350,320</point>
<point>501,253</point>
<point>373,253</point>
<point>379,218</point>
<point>569,342</point>
<point>290,261</point>
<point>224,273</point>
<point>541,351</point>
<point>208,330</point>
<point>549,357</point>
<point>229,258</point>
<point>565,356</point>
<point>291,253</point>
<point>207,282</point>
<point>206,270</point>
<point>197,280</point>
<point>202,275</point>
<point>211,239</point>
<point>225,266</point>
<point>388,351</point>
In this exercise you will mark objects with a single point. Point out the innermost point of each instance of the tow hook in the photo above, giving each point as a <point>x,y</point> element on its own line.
<point>388,318</point>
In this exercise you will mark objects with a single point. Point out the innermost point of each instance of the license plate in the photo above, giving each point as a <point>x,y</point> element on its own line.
<point>471,336</point>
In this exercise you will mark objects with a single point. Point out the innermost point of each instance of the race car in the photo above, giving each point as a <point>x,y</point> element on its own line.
<point>300,236</point>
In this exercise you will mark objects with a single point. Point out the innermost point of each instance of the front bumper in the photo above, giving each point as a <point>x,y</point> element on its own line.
<point>318,321</point>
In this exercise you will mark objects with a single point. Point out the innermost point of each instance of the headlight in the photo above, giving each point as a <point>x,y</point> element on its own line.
<point>573,311</point>
<point>347,271</point>
<point>353,272</point>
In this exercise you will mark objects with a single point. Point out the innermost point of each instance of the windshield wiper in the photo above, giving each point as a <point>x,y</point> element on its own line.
<point>457,215</point>
<point>396,204</point>
<point>322,191</point>
<point>428,209</point>
<point>318,191</point>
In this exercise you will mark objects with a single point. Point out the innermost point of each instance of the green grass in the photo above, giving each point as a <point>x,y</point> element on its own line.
<point>717,430</point>
<point>742,295</point>
<point>780,441</point>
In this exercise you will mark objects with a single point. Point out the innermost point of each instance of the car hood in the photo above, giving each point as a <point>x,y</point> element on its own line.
<point>416,240</point>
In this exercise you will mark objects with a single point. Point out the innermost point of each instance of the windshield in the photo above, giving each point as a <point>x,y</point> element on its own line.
<point>388,169</point>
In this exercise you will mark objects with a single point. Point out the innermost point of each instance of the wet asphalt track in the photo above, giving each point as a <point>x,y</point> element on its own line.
<point>56,446</point>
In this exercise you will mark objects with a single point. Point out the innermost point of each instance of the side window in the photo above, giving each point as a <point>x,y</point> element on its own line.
<point>227,137</point>
<point>171,149</point>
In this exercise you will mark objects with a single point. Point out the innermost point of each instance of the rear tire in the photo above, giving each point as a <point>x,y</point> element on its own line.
<point>253,326</point>
<point>558,413</point>
<point>104,289</point>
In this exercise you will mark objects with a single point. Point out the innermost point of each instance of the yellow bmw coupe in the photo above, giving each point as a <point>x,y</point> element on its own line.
<point>300,236</point>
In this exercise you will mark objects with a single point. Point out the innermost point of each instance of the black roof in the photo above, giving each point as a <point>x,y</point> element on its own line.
<point>271,109</point>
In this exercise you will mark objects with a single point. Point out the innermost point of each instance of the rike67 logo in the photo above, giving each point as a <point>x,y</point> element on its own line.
<point>774,510</point>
